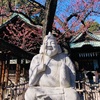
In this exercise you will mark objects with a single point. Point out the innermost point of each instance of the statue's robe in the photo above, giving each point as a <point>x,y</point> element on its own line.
<point>51,78</point>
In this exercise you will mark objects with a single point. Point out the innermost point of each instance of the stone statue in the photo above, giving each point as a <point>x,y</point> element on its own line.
<point>51,74</point>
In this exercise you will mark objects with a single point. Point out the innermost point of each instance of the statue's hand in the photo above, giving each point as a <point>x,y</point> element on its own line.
<point>43,63</point>
<point>42,67</point>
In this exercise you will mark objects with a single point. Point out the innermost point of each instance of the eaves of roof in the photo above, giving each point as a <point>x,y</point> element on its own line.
<point>13,16</point>
<point>15,50</point>
<point>22,17</point>
<point>78,36</point>
<point>80,44</point>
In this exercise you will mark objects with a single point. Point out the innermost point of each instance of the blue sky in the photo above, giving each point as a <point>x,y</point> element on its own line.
<point>41,1</point>
<point>97,19</point>
<point>61,10</point>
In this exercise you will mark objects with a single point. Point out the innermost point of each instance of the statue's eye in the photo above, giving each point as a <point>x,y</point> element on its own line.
<point>53,43</point>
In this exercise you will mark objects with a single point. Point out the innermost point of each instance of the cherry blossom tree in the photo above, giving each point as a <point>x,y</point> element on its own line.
<point>68,23</point>
<point>76,14</point>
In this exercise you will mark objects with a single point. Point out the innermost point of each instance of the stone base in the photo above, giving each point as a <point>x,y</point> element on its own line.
<point>48,93</point>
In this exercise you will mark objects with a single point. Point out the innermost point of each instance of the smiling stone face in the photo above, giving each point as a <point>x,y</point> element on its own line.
<point>50,45</point>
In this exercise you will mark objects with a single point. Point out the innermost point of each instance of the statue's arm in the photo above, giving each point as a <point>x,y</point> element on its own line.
<point>37,63</point>
<point>72,72</point>
<point>36,67</point>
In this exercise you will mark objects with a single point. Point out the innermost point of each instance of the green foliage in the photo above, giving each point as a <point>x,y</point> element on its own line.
<point>94,27</point>
<point>21,2</point>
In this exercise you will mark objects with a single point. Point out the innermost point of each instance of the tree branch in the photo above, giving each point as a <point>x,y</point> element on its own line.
<point>33,1</point>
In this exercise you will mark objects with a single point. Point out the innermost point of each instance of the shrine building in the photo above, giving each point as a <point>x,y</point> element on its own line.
<point>85,50</point>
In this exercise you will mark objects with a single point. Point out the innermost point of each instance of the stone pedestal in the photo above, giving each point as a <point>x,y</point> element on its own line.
<point>48,93</point>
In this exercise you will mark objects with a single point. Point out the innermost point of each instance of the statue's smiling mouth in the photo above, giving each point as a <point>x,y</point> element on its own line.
<point>49,47</point>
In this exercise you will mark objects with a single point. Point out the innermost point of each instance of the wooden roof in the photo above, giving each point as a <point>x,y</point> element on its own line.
<point>20,23</point>
<point>86,38</point>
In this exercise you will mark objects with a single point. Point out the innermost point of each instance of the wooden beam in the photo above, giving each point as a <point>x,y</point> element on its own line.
<point>17,73</point>
<point>49,16</point>
<point>0,71</point>
<point>3,72</point>
<point>2,80</point>
<point>7,69</point>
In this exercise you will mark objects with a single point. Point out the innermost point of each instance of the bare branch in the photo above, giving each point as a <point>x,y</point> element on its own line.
<point>33,1</point>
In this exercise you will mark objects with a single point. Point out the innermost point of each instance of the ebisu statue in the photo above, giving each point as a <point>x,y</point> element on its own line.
<point>51,74</point>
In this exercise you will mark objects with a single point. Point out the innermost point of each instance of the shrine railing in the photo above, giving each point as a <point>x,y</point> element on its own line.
<point>85,90</point>
<point>14,92</point>
<point>88,91</point>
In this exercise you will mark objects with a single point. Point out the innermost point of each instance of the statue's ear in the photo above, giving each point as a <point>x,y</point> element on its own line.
<point>59,49</point>
<point>41,49</point>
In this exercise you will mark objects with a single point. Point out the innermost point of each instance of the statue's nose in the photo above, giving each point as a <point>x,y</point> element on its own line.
<point>49,44</point>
